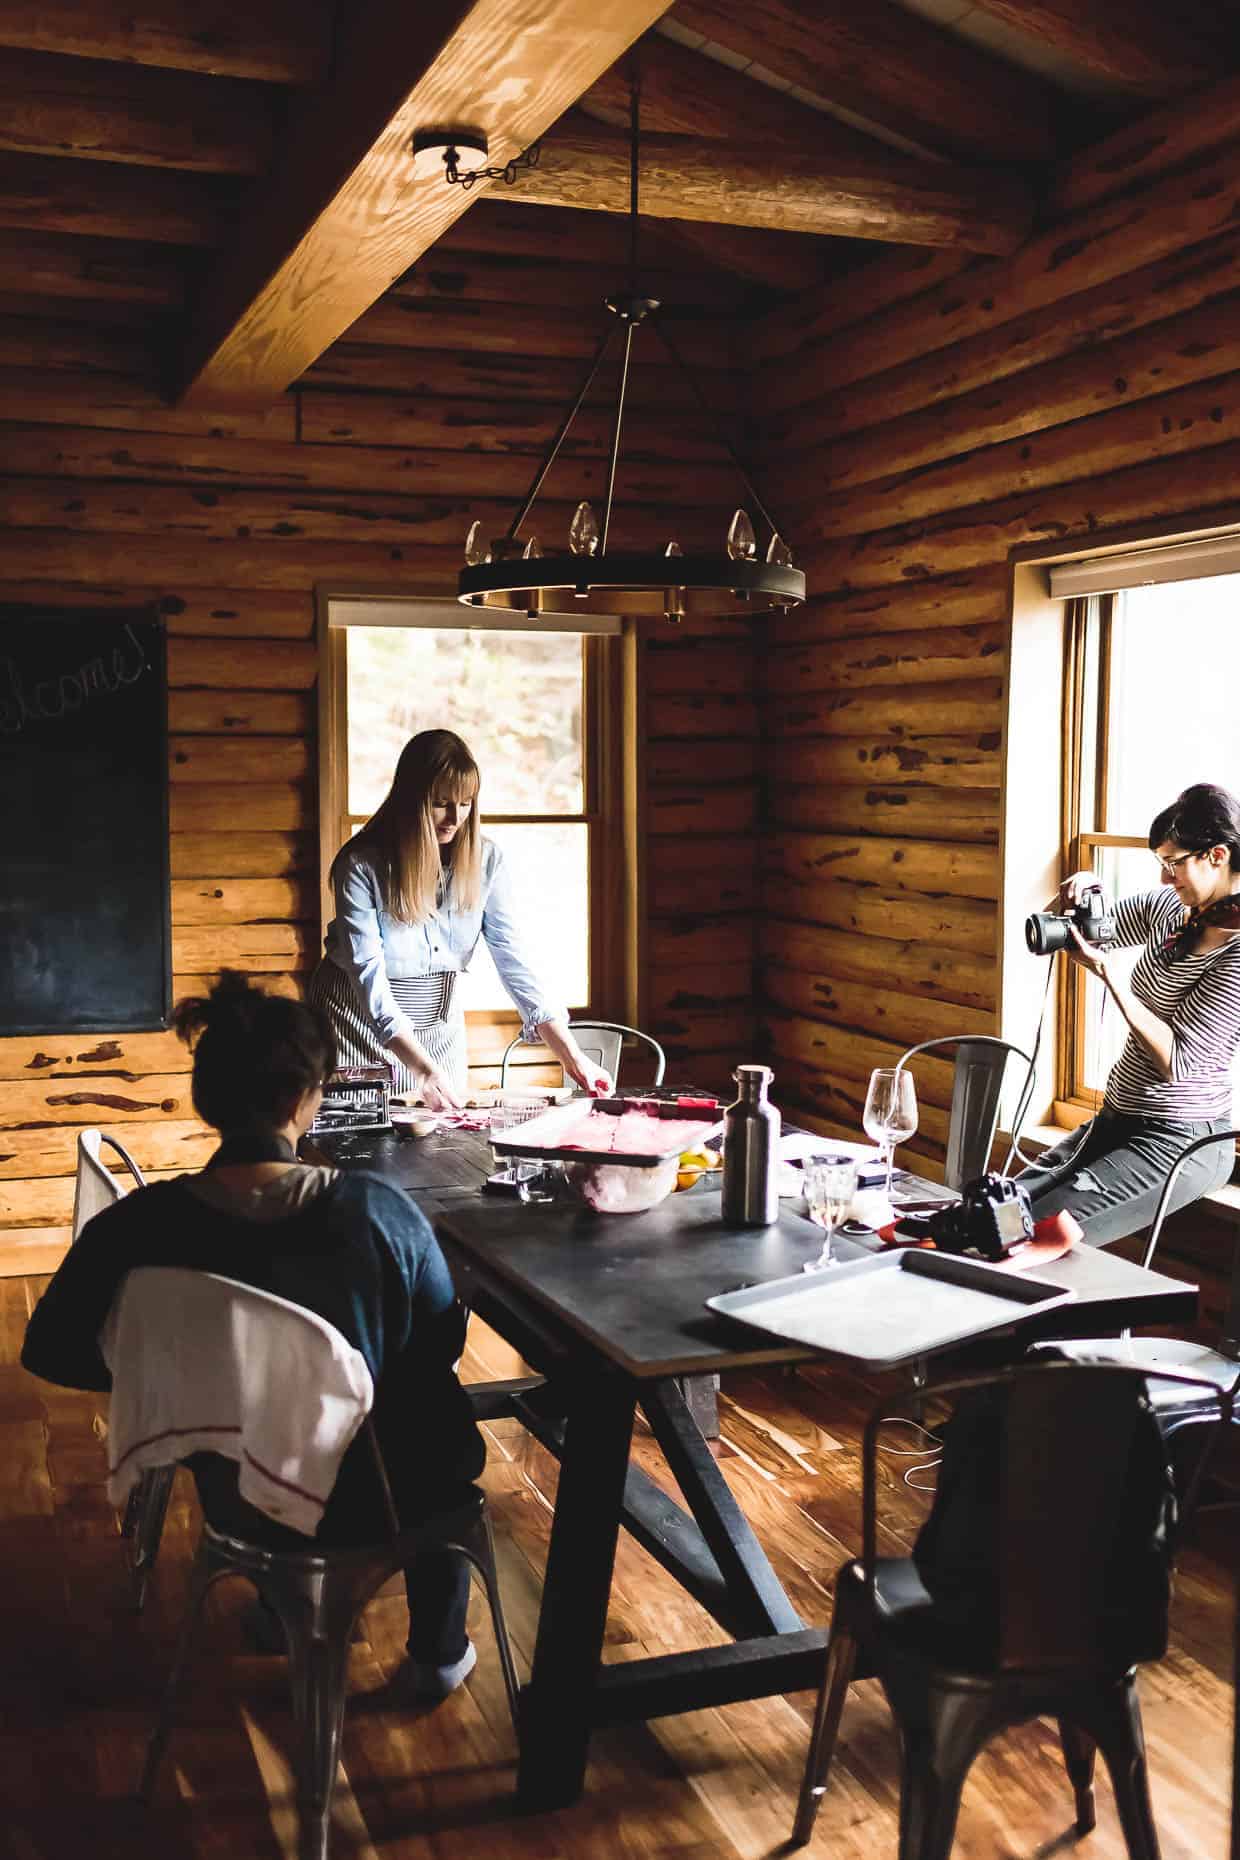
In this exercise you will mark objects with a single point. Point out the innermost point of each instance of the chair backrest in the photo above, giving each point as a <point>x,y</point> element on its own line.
<point>977,1086</point>
<point>201,1363</point>
<point>601,1041</point>
<point>1231,1320</point>
<point>95,1187</point>
<point>1052,1523</point>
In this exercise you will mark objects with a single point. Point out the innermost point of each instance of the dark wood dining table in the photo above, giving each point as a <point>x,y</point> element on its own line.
<point>610,1311</point>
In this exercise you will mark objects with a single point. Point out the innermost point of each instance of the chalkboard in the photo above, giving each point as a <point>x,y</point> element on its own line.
<point>84,920</point>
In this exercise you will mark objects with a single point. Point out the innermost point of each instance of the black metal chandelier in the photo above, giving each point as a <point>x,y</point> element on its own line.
<point>513,576</point>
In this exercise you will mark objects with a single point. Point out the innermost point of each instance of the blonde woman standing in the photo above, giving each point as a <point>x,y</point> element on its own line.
<point>414,890</point>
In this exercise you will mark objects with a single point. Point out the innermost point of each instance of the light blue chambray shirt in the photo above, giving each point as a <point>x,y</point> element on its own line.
<point>375,949</point>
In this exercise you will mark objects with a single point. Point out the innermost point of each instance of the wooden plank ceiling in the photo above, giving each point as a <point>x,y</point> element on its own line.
<point>239,179</point>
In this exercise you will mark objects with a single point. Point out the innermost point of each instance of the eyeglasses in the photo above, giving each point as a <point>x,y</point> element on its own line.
<point>1168,866</point>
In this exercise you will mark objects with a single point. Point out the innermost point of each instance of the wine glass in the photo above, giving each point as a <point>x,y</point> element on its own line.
<point>890,1114</point>
<point>829,1188</point>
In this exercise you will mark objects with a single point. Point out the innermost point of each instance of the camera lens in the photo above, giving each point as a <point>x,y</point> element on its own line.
<point>1045,933</point>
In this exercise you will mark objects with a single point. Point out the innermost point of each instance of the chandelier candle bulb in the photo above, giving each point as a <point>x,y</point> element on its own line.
<point>778,553</point>
<point>742,543</point>
<point>583,531</point>
<point>476,550</point>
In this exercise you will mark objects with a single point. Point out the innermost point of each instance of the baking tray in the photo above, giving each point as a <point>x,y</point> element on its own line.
<point>542,1136</point>
<point>885,1311</point>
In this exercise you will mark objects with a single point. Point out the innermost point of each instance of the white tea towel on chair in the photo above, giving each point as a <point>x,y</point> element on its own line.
<point>202,1364</point>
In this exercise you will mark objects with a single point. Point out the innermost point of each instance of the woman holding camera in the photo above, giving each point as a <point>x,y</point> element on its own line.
<point>1172,1081</point>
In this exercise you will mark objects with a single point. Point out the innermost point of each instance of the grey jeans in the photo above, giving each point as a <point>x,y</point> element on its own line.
<point>1111,1171</point>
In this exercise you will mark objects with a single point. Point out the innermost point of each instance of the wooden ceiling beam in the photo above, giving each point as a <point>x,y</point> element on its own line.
<point>1143,44</point>
<point>780,261</point>
<point>684,93</point>
<point>1157,142</point>
<point>879,61</point>
<point>884,197</point>
<point>277,41</point>
<point>131,113</point>
<point>342,216</point>
<point>113,202</point>
<point>96,271</point>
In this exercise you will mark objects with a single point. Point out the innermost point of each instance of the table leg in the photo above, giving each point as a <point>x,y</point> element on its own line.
<point>758,1600</point>
<point>557,1707</point>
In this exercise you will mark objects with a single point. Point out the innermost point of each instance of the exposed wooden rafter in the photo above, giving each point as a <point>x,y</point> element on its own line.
<point>132,114</point>
<point>881,62</point>
<point>779,261</point>
<point>883,196</point>
<point>686,94</point>
<point>278,41</point>
<point>1157,142</point>
<point>1144,44</point>
<point>342,215</point>
<point>111,202</point>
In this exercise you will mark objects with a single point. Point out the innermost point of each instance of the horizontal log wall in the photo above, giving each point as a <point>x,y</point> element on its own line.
<point>1092,379</point>
<point>369,472</point>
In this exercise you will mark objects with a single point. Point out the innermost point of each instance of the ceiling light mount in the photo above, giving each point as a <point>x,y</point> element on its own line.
<point>459,157</point>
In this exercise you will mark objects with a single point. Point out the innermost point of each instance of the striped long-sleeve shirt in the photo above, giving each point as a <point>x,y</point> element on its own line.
<point>1198,996</point>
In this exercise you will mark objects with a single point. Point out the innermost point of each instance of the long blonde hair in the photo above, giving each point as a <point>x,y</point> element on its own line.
<point>400,840</point>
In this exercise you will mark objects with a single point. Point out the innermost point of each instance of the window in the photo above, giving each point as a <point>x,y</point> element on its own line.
<point>1152,686</point>
<point>538,709</point>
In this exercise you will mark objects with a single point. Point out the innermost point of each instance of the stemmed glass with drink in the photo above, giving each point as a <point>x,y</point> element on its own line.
<point>890,1114</point>
<point>829,1188</point>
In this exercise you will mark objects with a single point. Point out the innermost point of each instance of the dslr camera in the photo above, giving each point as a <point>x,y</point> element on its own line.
<point>1094,918</point>
<point>992,1216</point>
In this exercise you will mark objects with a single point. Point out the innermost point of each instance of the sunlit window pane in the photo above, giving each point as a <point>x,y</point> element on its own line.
<point>549,871</point>
<point>516,699</point>
<point>1175,672</point>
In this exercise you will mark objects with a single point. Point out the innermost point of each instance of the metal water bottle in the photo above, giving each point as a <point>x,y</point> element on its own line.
<point>750,1152</point>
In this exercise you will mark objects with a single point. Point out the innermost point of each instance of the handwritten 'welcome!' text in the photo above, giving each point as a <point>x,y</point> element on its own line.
<point>60,693</point>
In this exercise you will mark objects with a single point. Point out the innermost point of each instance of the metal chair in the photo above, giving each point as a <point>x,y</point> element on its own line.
<point>1056,1557</point>
<point>1163,1357</point>
<point>142,1522</point>
<point>317,1592</point>
<point>977,1085</point>
<point>603,1045</point>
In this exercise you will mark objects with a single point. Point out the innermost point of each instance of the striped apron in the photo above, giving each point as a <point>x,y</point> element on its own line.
<point>433,1011</point>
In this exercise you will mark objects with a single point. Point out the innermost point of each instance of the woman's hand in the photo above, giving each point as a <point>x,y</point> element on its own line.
<point>591,1078</point>
<point>556,1037</point>
<point>1087,954</point>
<point>437,1091</point>
<point>1073,888</point>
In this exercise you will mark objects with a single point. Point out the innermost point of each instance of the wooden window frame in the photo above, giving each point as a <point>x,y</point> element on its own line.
<point>607,779</point>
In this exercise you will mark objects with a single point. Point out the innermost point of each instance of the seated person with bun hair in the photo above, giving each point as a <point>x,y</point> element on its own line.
<point>1172,1082</point>
<point>351,1247</point>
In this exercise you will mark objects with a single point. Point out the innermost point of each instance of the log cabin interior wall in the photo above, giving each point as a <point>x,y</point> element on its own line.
<point>940,414</point>
<point>368,473</point>
<point>241,358</point>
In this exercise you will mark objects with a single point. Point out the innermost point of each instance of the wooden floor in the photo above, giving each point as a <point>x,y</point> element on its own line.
<point>80,1675</point>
